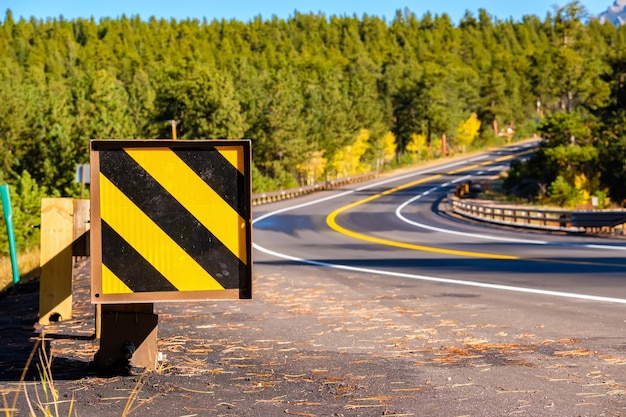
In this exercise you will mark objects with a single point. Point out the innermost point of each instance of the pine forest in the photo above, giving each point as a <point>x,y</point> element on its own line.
<point>320,97</point>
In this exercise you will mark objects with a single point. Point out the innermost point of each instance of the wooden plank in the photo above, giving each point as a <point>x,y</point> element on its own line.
<point>57,235</point>
<point>80,246</point>
<point>129,337</point>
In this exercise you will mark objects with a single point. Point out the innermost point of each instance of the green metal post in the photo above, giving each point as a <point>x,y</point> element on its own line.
<point>8,218</point>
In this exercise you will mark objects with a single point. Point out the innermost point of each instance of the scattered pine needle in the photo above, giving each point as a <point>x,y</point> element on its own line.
<point>357,406</point>
<point>294,376</point>
<point>293,413</point>
<point>398,415</point>
<point>273,400</point>
<point>195,390</point>
<point>409,389</point>
<point>614,360</point>
<point>572,353</point>
<point>379,398</point>
<point>505,391</point>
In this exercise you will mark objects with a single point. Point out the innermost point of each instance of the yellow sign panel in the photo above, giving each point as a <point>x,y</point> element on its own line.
<point>170,220</point>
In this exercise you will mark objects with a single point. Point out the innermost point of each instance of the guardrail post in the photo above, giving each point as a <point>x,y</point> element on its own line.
<point>57,235</point>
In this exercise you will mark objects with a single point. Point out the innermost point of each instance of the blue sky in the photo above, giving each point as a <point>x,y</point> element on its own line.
<point>244,10</point>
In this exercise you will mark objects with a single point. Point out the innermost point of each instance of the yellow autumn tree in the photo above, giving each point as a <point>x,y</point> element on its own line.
<point>467,131</point>
<point>389,147</point>
<point>436,146</point>
<point>417,146</point>
<point>347,160</point>
<point>313,168</point>
<point>581,184</point>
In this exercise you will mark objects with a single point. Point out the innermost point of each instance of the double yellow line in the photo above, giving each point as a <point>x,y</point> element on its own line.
<point>331,220</point>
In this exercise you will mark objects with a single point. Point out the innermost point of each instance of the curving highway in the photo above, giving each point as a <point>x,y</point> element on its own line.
<point>398,227</point>
<point>482,320</point>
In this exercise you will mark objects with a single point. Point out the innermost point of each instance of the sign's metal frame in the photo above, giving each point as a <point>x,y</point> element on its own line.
<point>245,282</point>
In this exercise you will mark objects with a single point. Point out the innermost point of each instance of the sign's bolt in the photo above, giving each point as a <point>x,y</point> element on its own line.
<point>129,350</point>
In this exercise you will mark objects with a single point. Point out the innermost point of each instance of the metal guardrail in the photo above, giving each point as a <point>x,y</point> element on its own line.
<point>535,218</point>
<point>262,198</point>
<point>595,219</point>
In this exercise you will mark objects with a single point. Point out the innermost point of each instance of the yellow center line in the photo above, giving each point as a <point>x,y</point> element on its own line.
<point>331,219</point>
<point>456,171</point>
<point>504,158</point>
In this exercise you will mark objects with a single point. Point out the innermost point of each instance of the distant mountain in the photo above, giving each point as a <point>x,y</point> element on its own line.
<point>615,14</point>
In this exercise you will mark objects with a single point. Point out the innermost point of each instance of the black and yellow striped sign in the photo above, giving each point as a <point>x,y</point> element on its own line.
<point>170,220</point>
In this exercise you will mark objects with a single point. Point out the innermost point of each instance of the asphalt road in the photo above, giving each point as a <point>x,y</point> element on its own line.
<point>558,296</point>
<point>400,227</point>
<point>369,300</point>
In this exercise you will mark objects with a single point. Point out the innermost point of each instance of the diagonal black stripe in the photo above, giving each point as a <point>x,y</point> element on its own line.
<point>129,266</point>
<point>172,217</point>
<point>219,174</point>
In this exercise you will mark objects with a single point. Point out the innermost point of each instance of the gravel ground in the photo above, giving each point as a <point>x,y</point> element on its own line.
<point>313,344</point>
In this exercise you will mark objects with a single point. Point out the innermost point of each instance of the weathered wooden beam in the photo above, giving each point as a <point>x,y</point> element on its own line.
<point>57,235</point>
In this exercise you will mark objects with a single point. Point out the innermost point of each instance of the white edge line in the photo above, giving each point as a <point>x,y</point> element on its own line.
<point>489,237</point>
<point>443,280</point>
<point>478,158</point>
<point>309,203</point>
<point>454,232</point>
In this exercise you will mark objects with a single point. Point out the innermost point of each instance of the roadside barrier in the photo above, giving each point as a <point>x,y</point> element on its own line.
<point>581,221</point>
<point>64,234</point>
<point>194,245</point>
<point>269,197</point>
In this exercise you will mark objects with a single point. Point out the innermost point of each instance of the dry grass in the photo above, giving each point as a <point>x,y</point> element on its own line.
<point>28,266</point>
<point>43,398</point>
<point>47,402</point>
